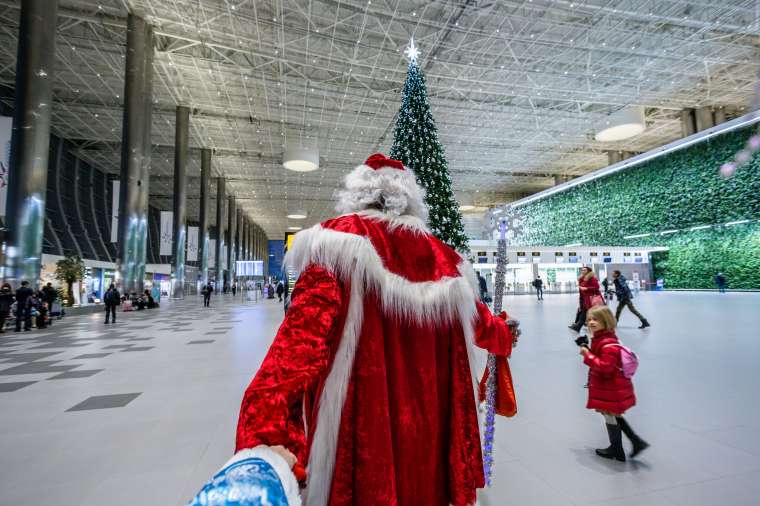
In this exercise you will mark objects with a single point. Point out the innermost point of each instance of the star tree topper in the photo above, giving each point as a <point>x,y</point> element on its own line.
<point>412,52</point>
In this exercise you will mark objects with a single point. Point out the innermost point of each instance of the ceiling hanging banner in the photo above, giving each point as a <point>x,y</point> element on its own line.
<point>167,225</point>
<point>115,188</point>
<point>192,244</point>
<point>6,128</point>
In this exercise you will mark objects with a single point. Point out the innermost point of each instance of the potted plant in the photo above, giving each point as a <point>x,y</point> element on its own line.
<point>69,270</point>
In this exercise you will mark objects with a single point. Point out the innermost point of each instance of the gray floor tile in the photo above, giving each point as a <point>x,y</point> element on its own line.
<point>12,387</point>
<point>201,341</point>
<point>38,367</point>
<point>80,373</point>
<point>92,355</point>
<point>139,348</point>
<point>215,333</point>
<point>29,357</point>
<point>117,346</point>
<point>105,402</point>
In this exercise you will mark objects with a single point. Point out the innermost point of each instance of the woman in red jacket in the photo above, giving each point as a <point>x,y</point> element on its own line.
<point>609,391</point>
<point>588,286</point>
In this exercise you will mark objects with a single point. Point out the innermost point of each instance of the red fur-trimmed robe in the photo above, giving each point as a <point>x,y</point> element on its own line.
<point>369,379</point>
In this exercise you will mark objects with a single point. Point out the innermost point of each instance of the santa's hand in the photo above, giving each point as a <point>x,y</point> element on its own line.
<point>283,452</point>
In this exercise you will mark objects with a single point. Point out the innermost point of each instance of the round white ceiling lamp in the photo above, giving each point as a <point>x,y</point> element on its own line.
<point>297,215</point>
<point>299,158</point>
<point>294,228</point>
<point>623,124</point>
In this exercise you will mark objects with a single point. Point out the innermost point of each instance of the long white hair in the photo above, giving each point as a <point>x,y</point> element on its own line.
<point>388,190</point>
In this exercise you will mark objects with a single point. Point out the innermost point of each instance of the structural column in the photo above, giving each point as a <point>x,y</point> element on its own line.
<point>239,235</point>
<point>144,182</point>
<point>181,130</point>
<point>204,237</point>
<point>243,238</point>
<point>30,140</point>
<point>132,153</point>
<point>231,221</point>
<point>221,201</point>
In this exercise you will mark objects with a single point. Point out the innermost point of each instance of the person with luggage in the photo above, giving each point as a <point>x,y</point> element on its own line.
<point>207,290</point>
<point>624,296</point>
<point>6,302</point>
<point>112,298</point>
<point>588,288</point>
<point>538,284</point>
<point>49,296</point>
<point>23,293</point>
<point>610,389</point>
<point>40,309</point>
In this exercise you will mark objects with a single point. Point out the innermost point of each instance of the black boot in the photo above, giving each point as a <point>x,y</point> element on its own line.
<point>615,450</point>
<point>639,445</point>
<point>644,324</point>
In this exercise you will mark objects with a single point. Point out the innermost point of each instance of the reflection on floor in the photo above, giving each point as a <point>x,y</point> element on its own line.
<point>144,411</point>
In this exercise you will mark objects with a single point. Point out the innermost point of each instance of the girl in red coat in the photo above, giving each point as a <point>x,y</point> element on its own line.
<point>609,391</point>
<point>588,286</point>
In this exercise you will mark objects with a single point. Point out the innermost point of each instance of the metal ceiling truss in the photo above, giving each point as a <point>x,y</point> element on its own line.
<point>516,86</point>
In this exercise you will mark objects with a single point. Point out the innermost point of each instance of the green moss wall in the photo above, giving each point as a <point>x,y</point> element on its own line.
<point>676,191</point>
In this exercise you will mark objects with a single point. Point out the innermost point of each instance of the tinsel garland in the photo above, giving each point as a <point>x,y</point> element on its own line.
<point>498,295</point>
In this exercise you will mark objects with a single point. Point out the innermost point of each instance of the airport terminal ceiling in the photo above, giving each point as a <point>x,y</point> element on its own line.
<point>517,87</point>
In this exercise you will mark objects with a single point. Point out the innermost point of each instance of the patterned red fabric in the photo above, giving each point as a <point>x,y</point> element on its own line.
<point>408,433</point>
<point>608,389</point>
<point>380,161</point>
<point>271,412</point>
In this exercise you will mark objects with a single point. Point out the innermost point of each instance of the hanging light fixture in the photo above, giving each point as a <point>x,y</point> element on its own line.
<point>297,215</point>
<point>623,124</point>
<point>300,158</point>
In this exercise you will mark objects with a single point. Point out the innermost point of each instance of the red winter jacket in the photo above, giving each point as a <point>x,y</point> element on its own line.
<point>590,282</point>
<point>608,389</point>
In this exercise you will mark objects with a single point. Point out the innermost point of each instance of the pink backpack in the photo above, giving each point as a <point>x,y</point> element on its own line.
<point>628,359</point>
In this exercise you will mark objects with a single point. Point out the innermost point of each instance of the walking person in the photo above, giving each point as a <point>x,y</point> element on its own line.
<point>111,299</point>
<point>23,293</point>
<point>538,284</point>
<point>483,286</point>
<point>588,288</point>
<point>720,280</point>
<point>6,301</point>
<point>610,392</point>
<point>624,297</point>
<point>207,290</point>
<point>280,290</point>
<point>234,288</point>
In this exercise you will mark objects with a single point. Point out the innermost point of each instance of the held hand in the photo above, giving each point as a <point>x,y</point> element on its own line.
<point>283,452</point>
<point>584,351</point>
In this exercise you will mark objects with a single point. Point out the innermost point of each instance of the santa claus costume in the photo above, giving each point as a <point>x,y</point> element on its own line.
<point>369,381</point>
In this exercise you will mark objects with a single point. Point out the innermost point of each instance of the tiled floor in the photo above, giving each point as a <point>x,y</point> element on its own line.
<point>150,426</point>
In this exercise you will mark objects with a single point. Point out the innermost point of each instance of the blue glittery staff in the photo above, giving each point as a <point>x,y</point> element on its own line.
<point>491,383</point>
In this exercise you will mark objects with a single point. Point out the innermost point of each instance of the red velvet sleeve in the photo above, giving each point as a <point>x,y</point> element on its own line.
<point>492,333</point>
<point>271,412</point>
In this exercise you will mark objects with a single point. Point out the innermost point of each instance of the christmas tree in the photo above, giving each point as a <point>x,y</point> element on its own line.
<point>416,144</point>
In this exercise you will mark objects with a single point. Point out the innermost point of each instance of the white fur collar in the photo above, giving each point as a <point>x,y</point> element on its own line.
<point>406,221</point>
